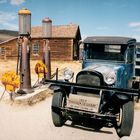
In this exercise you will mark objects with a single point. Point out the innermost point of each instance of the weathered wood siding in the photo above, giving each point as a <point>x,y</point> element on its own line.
<point>10,49</point>
<point>61,49</point>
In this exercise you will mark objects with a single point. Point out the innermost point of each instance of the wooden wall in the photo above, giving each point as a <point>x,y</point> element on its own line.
<point>61,49</point>
<point>8,49</point>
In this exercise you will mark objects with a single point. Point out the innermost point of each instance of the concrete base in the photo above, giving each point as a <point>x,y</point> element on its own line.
<point>39,94</point>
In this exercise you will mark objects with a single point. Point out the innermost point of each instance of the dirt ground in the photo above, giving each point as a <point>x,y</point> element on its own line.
<point>35,122</point>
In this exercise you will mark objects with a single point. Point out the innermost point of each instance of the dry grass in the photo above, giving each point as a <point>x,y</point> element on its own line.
<point>6,65</point>
<point>74,65</point>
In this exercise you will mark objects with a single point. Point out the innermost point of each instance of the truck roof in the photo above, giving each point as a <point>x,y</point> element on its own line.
<point>112,40</point>
<point>138,43</point>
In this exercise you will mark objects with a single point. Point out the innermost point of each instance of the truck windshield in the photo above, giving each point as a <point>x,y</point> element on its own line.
<point>104,52</point>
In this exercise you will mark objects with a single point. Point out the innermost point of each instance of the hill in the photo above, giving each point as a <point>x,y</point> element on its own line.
<point>7,34</point>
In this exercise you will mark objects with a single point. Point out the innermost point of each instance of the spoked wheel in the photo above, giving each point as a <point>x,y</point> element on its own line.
<point>125,119</point>
<point>58,101</point>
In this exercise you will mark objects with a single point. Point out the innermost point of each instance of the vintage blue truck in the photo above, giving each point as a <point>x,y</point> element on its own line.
<point>104,90</point>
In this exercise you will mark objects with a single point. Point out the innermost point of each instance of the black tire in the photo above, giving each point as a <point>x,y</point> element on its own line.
<point>57,101</point>
<point>98,125</point>
<point>124,127</point>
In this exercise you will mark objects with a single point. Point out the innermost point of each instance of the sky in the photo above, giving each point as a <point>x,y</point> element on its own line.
<point>94,17</point>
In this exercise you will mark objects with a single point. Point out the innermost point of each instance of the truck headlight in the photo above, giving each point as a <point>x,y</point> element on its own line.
<point>68,74</point>
<point>110,79</point>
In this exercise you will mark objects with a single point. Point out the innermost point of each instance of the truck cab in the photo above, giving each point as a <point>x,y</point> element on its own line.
<point>111,57</point>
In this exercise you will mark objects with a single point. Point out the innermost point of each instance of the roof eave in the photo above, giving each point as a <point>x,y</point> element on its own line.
<point>8,40</point>
<point>40,37</point>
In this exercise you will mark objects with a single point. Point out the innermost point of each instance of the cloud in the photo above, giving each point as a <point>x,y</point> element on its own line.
<point>3,1</point>
<point>137,37</point>
<point>16,2</point>
<point>13,2</point>
<point>7,16</point>
<point>6,20</point>
<point>134,24</point>
<point>137,29</point>
<point>11,26</point>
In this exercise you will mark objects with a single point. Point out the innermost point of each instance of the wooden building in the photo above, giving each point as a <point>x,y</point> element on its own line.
<point>64,44</point>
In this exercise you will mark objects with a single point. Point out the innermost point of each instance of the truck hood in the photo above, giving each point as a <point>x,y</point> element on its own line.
<point>103,69</point>
<point>108,71</point>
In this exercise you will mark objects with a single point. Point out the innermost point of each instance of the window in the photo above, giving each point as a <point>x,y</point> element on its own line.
<point>113,48</point>
<point>36,48</point>
<point>75,51</point>
<point>104,52</point>
<point>130,54</point>
<point>2,50</point>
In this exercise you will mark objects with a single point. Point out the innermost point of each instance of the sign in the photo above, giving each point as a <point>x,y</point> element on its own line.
<point>83,102</point>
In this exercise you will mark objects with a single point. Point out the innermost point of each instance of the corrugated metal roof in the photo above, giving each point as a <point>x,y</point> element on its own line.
<point>114,40</point>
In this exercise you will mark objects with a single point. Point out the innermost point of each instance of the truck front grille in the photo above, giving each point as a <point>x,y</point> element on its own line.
<point>88,79</point>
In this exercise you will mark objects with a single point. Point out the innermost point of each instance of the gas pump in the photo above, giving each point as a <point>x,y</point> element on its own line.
<point>24,36</point>
<point>47,34</point>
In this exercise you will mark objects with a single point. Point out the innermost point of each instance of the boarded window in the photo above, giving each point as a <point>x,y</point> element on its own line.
<point>35,48</point>
<point>2,50</point>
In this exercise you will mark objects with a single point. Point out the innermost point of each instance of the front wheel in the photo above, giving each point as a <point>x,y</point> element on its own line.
<point>58,101</point>
<point>125,119</point>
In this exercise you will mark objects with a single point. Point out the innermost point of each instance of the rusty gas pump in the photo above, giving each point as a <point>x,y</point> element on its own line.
<point>24,36</point>
<point>47,34</point>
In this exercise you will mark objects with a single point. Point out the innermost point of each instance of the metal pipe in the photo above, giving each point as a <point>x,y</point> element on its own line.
<point>18,56</point>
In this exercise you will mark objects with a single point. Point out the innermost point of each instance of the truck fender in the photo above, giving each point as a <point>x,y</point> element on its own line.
<point>123,97</point>
<point>55,88</point>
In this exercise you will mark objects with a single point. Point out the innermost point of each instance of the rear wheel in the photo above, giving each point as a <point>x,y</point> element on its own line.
<point>125,119</point>
<point>58,101</point>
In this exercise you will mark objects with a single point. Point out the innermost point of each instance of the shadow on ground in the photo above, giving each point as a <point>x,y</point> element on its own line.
<point>90,126</point>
